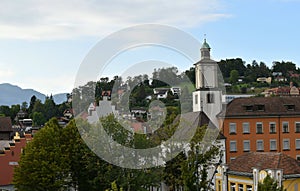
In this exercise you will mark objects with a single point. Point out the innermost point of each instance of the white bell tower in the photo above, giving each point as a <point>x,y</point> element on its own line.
<point>208,96</point>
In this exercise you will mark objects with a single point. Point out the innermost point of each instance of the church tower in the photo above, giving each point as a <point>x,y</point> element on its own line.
<point>208,96</point>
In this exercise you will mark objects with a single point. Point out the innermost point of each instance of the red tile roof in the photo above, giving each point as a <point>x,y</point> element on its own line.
<point>265,160</point>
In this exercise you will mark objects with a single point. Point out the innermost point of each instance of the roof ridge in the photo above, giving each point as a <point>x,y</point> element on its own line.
<point>279,160</point>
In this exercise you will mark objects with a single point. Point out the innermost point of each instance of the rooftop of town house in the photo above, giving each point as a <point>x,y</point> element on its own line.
<point>5,124</point>
<point>262,106</point>
<point>264,160</point>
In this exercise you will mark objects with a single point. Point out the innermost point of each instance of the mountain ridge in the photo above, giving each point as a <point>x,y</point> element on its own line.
<point>12,94</point>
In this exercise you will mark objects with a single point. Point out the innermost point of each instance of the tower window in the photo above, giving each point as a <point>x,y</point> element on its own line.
<point>196,99</point>
<point>210,98</point>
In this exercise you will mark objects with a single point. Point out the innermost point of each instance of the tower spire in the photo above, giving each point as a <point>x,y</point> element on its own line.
<point>205,49</point>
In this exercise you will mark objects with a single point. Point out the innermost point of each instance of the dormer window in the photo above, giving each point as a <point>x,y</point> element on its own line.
<point>248,107</point>
<point>261,107</point>
<point>290,107</point>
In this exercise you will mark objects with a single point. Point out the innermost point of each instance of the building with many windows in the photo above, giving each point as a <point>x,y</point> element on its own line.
<point>261,124</point>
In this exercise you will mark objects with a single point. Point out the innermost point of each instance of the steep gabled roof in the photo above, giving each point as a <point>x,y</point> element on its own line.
<point>188,123</point>
<point>192,120</point>
<point>264,160</point>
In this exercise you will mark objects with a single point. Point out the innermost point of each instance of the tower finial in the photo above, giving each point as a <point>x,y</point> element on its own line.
<point>204,37</point>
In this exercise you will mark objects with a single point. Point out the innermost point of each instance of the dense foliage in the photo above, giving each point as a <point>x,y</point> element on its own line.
<point>38,111</point>
<point>58,159</point>
<point>269,184</point>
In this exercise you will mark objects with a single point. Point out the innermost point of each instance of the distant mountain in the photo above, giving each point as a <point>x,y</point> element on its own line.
<point>11,95</point>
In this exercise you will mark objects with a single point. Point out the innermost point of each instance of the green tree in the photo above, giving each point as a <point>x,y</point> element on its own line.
<point>38,119</point>
<point>24,106</point>
<point>191,74</point>
<point>42,165</point>
<point>130,179</point>
<point>38,106</point>
<point>14,109</point>
<point>194,169</point>
<point>172,173</point>
<point>5,110</point>
<point>269,184</point>
<point>284,67</point>
<point>234,75</point>
<point>80,161</point>
<point>50,109</point>
<point>226,66</point>
<point>31,104</point>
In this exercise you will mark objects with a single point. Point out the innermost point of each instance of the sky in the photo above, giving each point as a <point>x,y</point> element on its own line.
<point>43,44</point>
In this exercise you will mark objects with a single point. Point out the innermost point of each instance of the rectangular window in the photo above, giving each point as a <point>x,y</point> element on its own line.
<point>298,157</point>
<point>249,107</point>
<point>285,127</point>
<point>232,187</point>
<point>297,127</point>
<point>286,144</point>
<point>219,185</point>
<point>272,127</point>
<point>298,144</point>
<point>259,128</point>
<point>232,128</point>
<point>196,99</point>
<point>259,145</point>
<point>210,98</point>
<point>290,107</point>
<point>241,187</point>
<point>246,127</point>
<point>273,145</point>
<point>249,188</point>
<point>233,146</point>
<point>246,145</point>
<point>261,107</point>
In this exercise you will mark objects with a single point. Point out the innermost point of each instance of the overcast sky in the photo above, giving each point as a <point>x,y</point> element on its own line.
<point>43,43</point>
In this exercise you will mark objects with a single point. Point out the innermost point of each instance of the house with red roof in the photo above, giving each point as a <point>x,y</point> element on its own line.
<point>247,170</point>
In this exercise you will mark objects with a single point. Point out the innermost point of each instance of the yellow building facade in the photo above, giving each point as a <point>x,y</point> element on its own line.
<point>246,171</point>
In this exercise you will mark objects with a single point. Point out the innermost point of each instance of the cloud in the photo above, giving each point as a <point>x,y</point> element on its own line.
<point>6,72</point>
<point>63,19</point>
